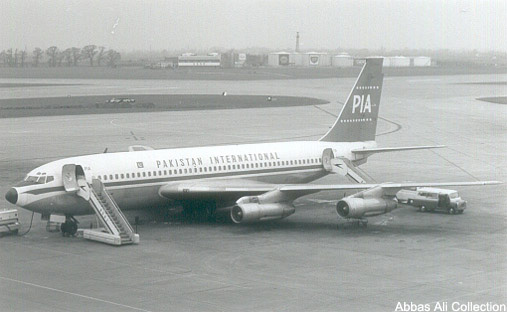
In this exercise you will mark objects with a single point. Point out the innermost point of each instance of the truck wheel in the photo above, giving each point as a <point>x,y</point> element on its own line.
<point>451,211</point>
<point>461,211</point>
<point>422,209</point>
<point>410,202</point>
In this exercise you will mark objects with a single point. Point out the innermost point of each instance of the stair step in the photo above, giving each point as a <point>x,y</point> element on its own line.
<point>105,206</point>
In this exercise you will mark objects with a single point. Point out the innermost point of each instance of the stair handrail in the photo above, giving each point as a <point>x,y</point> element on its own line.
<point>97,184</point>
<point>103,215</point>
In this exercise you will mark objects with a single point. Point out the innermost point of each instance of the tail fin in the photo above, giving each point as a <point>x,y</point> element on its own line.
<point>358,118</point>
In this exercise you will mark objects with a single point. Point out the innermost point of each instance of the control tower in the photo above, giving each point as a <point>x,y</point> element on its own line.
<point>297,41</point>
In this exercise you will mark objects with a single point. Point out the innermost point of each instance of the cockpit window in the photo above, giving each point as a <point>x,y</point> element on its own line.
<point>42,179</point>
<point>31,179</point>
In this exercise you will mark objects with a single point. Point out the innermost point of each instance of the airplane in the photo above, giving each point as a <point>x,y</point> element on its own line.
<point>249,182</point>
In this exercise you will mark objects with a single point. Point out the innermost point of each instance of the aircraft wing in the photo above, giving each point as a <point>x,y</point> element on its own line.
<point>216,186</point>
<point>224,190</point>
<point>237,188</point>
<point>391,188</point>
<point>370,151</point>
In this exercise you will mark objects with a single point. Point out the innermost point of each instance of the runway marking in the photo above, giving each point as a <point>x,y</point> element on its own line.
<point>398,126</point>
<point>73,294</point>
<point>52,120</point>
<point>185,272</point>
<point>154,88</point>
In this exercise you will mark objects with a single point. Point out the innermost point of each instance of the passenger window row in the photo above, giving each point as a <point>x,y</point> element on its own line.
<point>206,169</point>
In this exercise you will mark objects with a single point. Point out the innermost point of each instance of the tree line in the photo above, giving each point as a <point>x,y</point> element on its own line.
<point>54,57</point>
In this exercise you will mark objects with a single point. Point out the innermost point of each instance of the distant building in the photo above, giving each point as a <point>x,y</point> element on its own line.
<point>312,59</point>
<point>403,61</point>
<point>309,59</point>
<point>360,61</point>
<point>420,61</point>
<point>342,60</point>
<point>398,61</point>
<point>240,60</point>
<point>210,60</point>
<point>279,59</point>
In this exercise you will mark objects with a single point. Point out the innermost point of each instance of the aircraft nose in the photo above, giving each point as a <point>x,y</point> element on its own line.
<point>12,196</point>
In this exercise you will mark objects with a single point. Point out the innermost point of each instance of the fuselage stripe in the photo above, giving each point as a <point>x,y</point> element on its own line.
<point>141,182</point>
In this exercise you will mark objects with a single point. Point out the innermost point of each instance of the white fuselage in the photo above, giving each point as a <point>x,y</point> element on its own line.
<point>134,178</point>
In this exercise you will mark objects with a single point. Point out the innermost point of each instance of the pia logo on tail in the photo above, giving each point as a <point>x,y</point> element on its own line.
<point>363,104</point>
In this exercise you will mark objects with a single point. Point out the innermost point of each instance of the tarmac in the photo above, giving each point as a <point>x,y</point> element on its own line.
<point>302,263</point>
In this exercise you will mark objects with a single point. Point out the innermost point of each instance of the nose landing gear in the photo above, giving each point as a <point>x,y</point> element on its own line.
<point>69,227</point>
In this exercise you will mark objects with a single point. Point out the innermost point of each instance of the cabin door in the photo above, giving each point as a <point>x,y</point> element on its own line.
<point>73,177</point>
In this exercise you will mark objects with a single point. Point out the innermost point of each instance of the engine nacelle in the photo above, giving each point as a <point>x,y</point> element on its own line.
<point>352,207</point>
<point>252,212</point>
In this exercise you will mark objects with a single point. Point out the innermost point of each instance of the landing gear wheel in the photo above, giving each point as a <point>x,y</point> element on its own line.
<point>72,229</point>
<point>211,209</point>
<point>199,211</point>
<point>362,223</point>
<point>451,211</point>
<point>69,227</point>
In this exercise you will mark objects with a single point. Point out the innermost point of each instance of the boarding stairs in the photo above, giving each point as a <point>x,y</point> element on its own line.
<point>342,166</point>
<point>116,229</point>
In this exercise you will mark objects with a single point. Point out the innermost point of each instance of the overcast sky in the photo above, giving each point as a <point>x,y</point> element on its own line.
<point>176,25</point>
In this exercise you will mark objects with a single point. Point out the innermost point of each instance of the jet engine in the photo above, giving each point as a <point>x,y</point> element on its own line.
<point>353,207</point>
<point>271,205</point>
<point>252,212</point>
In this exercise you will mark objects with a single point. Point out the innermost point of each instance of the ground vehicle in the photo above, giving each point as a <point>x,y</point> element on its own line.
<point>9,223</point>
<point>121,100</point>
<point>430,199</point>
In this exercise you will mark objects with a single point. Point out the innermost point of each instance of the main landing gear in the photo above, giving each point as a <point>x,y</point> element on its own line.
<point>69,227</point>
<point>200,211</point>
<point>362,223</point>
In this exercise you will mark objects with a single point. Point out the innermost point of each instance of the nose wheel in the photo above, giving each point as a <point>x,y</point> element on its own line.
<point>69,227</point>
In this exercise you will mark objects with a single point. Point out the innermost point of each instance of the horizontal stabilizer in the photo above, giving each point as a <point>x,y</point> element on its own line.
<point>370,151</point>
